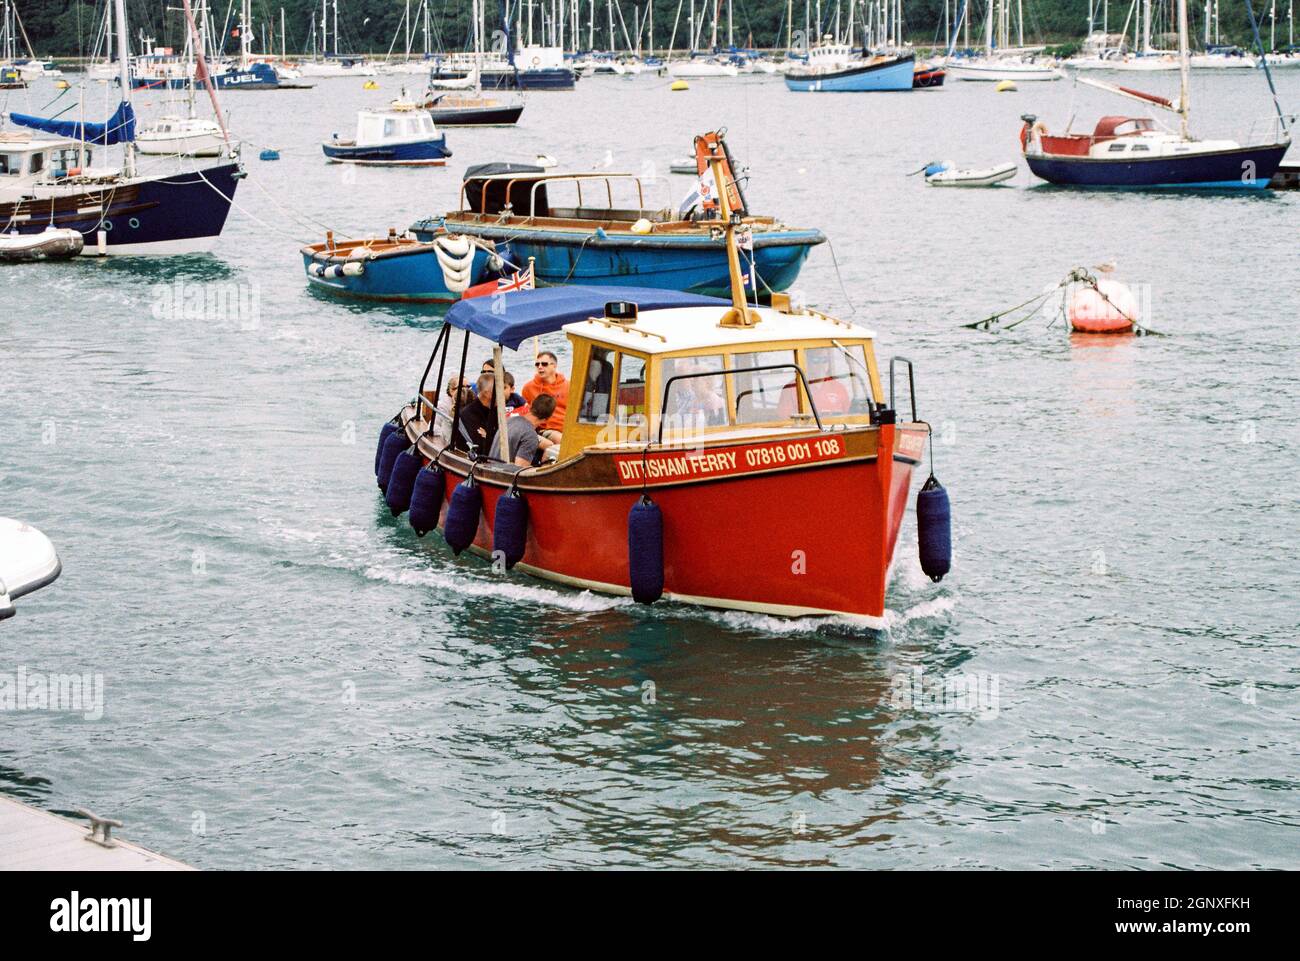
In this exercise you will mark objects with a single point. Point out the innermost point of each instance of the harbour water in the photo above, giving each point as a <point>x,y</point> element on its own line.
<point>292,679</point>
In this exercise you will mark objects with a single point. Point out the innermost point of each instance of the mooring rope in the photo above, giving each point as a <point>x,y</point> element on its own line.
<point>1080,275</point>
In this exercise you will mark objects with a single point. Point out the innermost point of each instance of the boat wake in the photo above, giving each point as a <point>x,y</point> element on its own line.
<point>472,587</point>
<point>933,607</point>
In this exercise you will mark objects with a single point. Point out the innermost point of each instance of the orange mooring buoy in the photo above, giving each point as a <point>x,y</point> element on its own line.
<point>1108,308</point>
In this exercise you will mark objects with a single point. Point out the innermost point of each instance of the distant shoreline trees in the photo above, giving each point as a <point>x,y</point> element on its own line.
<point>68,28</point>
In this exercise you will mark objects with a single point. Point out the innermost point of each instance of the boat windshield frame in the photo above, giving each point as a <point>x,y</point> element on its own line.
<point>732,372</point>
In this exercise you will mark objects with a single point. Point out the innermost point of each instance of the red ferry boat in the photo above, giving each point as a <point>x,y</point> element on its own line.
<point>713,453</point>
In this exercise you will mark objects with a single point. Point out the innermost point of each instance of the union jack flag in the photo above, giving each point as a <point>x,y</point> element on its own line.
<point>522,280</point>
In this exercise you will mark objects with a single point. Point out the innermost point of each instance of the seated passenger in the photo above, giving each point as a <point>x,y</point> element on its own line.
<point>478,420</point>
<point>527,447</point>
<point>447,407</point>
<point>549,380</point>
<point>513,401</point>
<point>696,398</point>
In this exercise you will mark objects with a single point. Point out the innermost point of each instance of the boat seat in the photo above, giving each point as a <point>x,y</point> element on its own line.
<point>621,214</point>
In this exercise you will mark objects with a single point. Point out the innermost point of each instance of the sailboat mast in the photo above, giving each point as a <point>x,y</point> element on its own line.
<point>1184,65</point>
<point>124,68</point>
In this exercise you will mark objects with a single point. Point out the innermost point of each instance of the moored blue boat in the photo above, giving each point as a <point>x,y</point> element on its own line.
<point>550,218</point>
<point>401,137</point>
<point>695,263</point>
<point>839,68</point>
<point>396,268</point>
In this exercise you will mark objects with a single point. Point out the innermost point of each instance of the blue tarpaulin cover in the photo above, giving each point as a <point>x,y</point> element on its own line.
<point>511,318</point>
<point>120,127</point>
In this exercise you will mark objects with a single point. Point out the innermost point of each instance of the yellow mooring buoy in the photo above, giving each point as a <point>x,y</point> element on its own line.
<point>680,85</point>
<point>1005,86</point>
<point>370,85</point>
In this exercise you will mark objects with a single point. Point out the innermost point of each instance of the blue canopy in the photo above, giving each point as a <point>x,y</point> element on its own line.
<point>510,319</point>
<point>120,127</point>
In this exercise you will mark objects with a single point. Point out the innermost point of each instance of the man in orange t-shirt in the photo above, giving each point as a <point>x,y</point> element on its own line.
<point>549,380</point>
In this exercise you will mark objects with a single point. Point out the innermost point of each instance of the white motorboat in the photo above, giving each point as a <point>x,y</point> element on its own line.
<point>997,69</point>
<point>945,175</point>
<point>28,562</point>
<point>181,137</point>
<point>338,67</point>
<point>700,69</point>
<point>35,69</point>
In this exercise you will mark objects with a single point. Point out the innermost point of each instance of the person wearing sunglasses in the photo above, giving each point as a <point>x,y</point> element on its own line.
<point>549,380</point>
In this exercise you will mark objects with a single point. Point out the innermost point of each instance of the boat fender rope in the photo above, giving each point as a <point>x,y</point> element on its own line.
<point>401,480</point>
<point>394,444</point>
<point>456,258</point>
<point>384,433</point>
<point>934,529</point>
<point>427,497</point>
<point>645,550</point>
<point>510,526</point>
<point>463,512</point>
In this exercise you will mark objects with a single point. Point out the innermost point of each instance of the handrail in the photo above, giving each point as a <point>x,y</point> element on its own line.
<point>911,383</point>
<point>663,407</point>
<point>444,338</point>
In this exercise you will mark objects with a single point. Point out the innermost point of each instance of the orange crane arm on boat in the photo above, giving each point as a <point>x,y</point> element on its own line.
<point>707,147</point>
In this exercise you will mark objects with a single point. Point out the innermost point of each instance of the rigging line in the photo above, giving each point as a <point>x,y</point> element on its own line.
<point>853,310</point>
<point>231,200</point>
<point>302,218</point>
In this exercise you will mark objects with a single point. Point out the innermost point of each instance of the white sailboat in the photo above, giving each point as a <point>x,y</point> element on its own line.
<point>331,63</point>
<point>1001,61</point>
<point>188,134</point>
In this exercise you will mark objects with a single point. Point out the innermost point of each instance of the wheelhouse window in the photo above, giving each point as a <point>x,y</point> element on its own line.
<point>629,402</point>
<point>597,388</point>
<point>837,379</point>
<point>694,399</point>
<point>11,164</point>
<point>37,163</point>
<point>762,396</point>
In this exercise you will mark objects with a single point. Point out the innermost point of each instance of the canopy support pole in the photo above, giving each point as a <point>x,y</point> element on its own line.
<point>499,401</point>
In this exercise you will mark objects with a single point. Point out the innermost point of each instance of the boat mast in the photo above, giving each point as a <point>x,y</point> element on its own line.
<point>1184,65</point>
<point>124,68</point>
<point>477,13</point>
